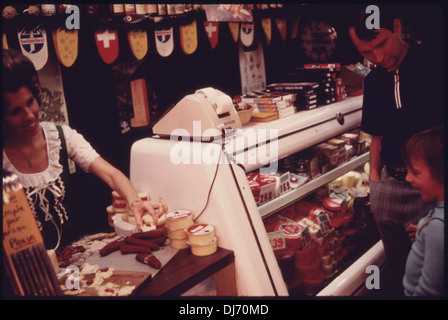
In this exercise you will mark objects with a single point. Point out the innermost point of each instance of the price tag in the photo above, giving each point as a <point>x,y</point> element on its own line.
<point>266,193</point>
<point>306,238</point>
<point>324,223</point>
<point>285,184</point>
<point>277,240</point>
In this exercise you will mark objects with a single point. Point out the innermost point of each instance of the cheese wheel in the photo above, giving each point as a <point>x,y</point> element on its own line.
<point>179,219</point>
<point>311,285</point>
<point>285,260</point>
<point>307,271</point>
<point>293,235</point>
<point>179,243</point>
<point>200,234</point>
<point>204,249</point>
<point>305,257</point>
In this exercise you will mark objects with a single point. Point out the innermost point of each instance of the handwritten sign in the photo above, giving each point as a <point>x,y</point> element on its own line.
<point>19,226</point>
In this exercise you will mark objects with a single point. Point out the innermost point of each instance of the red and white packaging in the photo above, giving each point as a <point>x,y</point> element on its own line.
<point>119,204</point>
<point>293,235</point>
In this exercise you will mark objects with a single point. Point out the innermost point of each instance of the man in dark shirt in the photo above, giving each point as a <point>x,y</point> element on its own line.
<point>403,95</point>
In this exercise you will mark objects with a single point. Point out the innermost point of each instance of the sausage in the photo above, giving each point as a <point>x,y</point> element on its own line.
<point>148,234</point>
<point>140,242</point>
<point>111,247</point>
<point>159,241</point>
<point>149,260</point>
<point>132,248</point>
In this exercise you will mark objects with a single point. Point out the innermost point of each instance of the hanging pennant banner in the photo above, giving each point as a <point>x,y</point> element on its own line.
<point>189,37</point>
<point>107,44</point>
<point>281,26</point>
<point>34,46</point>
<point>234,30</point>
<point>66,45</point>
<point>295,27</point>
<point>212,30</point>
<point>267,28</point>
<point>138,41</point>
<point>5,42</point>
<point>247,34</point>
<point>164,41</point>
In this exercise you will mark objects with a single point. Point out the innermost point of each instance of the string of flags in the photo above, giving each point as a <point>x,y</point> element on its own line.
<point>34,42</point>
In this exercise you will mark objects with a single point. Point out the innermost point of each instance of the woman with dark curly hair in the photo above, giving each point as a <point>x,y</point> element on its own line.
<point>37,151</point>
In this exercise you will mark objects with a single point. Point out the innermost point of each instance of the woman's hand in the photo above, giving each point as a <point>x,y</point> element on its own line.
<point>155,208</point>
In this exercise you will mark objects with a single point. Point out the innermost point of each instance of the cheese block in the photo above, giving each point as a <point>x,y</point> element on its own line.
<point>179,219</point>
<point>149,221</point>
<point>119,204</point>
<point>66,45</point>
<point>204,249</point>
<point>200,234</point>
<point>138,41</point>
<point>179,243</point>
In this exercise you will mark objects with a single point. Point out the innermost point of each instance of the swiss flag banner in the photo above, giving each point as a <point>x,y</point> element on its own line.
<point>107,44</point>
<point>212,30</point>
<point>34,46</point>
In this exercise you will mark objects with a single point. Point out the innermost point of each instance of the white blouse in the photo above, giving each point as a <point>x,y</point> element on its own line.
<point>78,149</point>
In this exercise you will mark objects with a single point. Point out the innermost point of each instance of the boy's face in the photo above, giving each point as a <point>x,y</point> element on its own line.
<point>419,176</point>
<point>386,50</point>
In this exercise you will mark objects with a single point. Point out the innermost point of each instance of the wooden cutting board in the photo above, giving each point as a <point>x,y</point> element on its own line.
<point>120,278</point>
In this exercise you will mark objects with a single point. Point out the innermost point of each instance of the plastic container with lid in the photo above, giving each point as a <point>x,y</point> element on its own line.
<point>200,234</point>
<point>179,219</point>
<point>179,243</point>
<point>204,249</point>
<point>177,234</point>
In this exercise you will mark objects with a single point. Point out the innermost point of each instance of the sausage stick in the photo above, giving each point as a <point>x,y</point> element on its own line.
<point>140,242</point>
<point>111,247</point>
<point>132,248</point>
<point>149,260</point>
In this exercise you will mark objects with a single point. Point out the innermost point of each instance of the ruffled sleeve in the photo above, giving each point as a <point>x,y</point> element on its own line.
<point>79,149</point>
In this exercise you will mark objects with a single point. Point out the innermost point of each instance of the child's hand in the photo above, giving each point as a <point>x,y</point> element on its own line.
<point>411,229</point>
